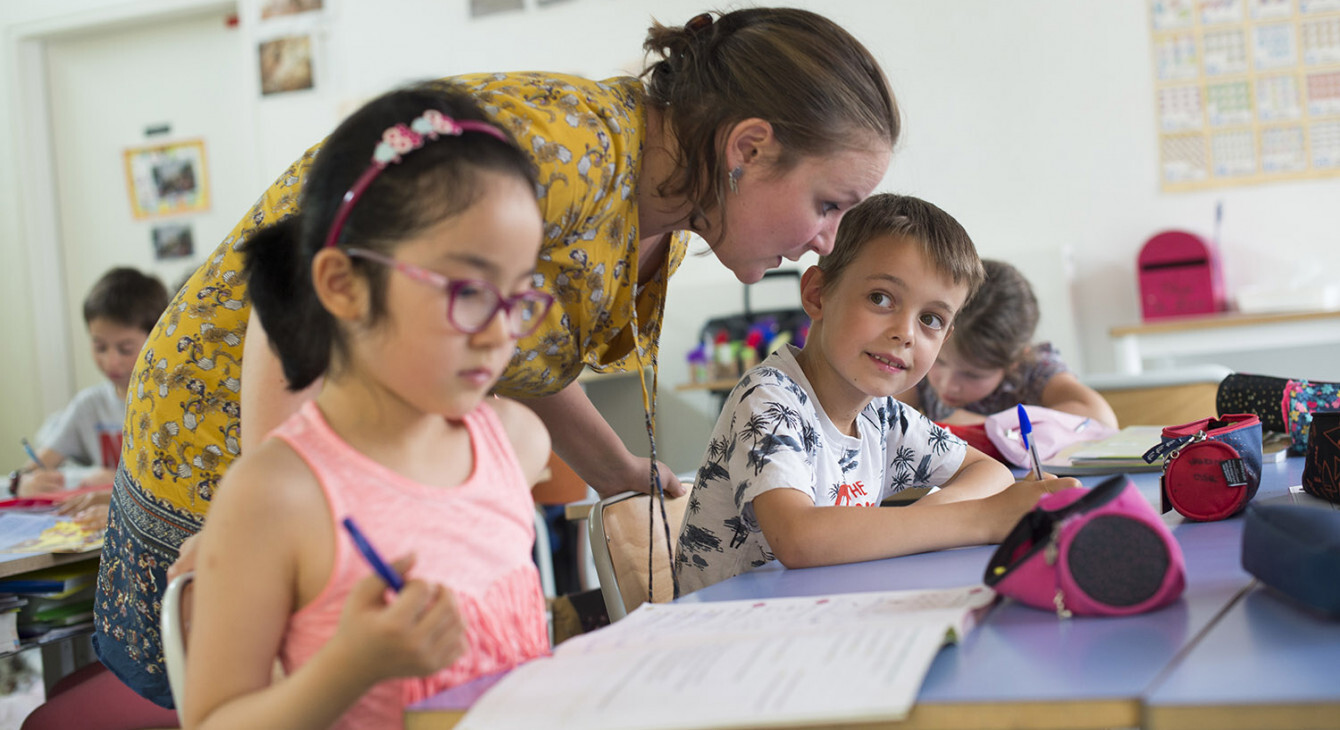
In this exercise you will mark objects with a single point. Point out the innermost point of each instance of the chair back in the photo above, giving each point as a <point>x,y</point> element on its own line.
<point>618,532</point>
<point>172,628</point>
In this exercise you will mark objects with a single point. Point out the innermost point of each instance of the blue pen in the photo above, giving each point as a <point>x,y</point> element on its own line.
<point>386,572</point>
<point>28,449</point>
<point>1025,430</point>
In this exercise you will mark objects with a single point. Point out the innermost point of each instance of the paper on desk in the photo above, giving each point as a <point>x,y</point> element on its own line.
<point>817,660</point>
<point>45,533</point>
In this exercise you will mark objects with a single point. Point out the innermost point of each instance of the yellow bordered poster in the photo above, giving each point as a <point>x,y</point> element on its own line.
<point>1247,91</point>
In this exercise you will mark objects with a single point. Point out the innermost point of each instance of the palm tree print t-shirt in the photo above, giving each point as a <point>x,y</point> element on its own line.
<point>774,434</point>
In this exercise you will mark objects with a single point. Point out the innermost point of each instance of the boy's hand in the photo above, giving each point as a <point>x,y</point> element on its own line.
<point>413,633</point>
<point>41,481</point>
<point>1006,508</point>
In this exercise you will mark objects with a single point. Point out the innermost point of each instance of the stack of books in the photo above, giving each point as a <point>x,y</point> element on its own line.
<point>56,602</point>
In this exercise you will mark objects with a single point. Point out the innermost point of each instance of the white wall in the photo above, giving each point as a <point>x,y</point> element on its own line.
<point>1032,121</point>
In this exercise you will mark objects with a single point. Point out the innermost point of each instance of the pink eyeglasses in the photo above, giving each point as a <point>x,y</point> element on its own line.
<point>472,304</point>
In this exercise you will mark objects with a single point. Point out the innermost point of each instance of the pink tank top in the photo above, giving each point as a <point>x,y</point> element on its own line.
<point>475,538</point>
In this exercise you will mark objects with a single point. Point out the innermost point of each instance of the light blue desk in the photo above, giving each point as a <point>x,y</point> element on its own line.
<point>1266,663</point>
<point>1023,667</point>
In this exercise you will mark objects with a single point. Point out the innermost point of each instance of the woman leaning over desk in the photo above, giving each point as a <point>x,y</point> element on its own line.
<point>756,131</point>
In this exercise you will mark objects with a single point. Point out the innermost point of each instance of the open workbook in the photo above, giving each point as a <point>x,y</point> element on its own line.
<point>786,661</point>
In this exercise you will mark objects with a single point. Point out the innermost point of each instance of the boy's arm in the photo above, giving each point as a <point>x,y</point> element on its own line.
<point>978,477</point>
<point>1064,392</point>
<point>802,535</point>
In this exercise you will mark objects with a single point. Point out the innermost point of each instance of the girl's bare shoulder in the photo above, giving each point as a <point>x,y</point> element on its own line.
<point>529,437</point>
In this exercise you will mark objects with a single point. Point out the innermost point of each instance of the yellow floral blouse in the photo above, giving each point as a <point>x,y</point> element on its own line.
<point>183,414</point>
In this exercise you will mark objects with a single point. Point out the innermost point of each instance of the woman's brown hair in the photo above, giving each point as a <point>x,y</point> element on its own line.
<point>817,86</point>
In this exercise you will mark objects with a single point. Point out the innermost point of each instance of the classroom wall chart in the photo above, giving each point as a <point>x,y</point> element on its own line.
<point>1248,91</point>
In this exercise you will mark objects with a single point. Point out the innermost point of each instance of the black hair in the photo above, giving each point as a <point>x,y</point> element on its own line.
<point>127,297</point>
<point>428,186</point>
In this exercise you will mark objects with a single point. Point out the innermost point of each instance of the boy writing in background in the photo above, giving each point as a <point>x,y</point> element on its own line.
<point>812,436</point>
<point>119,311</point>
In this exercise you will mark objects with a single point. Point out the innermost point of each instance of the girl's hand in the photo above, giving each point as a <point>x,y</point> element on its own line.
<point>413,633</point>
<point>1006,508</point>
<point>41,481</point>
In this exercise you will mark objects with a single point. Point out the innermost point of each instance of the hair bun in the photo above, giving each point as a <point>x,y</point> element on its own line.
<point>699,24</point>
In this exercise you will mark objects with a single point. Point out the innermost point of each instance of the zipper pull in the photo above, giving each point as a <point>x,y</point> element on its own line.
<point>1059,600</point>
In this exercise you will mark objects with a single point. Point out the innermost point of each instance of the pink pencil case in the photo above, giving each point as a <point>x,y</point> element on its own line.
<point>1090,552</point>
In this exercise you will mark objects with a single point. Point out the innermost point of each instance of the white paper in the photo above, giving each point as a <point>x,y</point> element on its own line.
<point>809,660</point>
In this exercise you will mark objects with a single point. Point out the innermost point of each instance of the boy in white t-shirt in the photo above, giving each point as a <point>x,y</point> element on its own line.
<point>812,437</point>
<point>119,311</point>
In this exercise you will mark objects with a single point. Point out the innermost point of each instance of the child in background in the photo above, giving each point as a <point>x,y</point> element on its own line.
<point>992,364</point>
<point>811,437</point>
<point>119,311</point>
<point>408,297</point>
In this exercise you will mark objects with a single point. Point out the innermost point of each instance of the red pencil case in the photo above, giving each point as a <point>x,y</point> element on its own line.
<point>1211,467</point>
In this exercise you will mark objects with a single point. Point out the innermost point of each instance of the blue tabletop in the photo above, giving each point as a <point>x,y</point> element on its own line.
<point>1267,662</point>
<point>1020,654</point>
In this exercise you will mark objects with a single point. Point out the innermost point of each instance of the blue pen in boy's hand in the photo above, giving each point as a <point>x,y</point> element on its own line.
<point>28,449</point>
<point>1026,430</point>
<point>386,572</point>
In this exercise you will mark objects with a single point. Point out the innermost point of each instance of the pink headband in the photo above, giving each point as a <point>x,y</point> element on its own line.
<point>399,140</point>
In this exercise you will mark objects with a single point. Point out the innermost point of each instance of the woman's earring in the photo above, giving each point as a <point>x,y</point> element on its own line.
<point>733,179</point>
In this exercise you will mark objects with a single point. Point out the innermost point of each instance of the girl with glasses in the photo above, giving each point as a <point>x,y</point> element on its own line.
<point>403,285</point>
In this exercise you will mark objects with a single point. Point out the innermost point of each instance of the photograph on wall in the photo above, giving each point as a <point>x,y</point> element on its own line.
<point>480,8</point>
<point>279,8</point>
<point>173,241</point>
<point>286,64</point>
<point>167,179</point>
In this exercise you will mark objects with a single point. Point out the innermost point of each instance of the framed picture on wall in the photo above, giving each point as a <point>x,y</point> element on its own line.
<point>173,241</point>
<point>286,64</point>
<point>167,179</point>
<point>279,8</point>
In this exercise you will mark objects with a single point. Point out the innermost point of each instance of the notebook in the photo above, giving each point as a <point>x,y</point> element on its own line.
<point>1121,452</point>
<point>857,657</point>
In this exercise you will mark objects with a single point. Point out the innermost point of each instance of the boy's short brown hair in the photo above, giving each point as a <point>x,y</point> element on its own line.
<point>127,297</point>
<point>942,240</point>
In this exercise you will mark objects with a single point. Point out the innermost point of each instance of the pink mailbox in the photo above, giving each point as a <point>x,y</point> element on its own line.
<point>1179,275</point>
